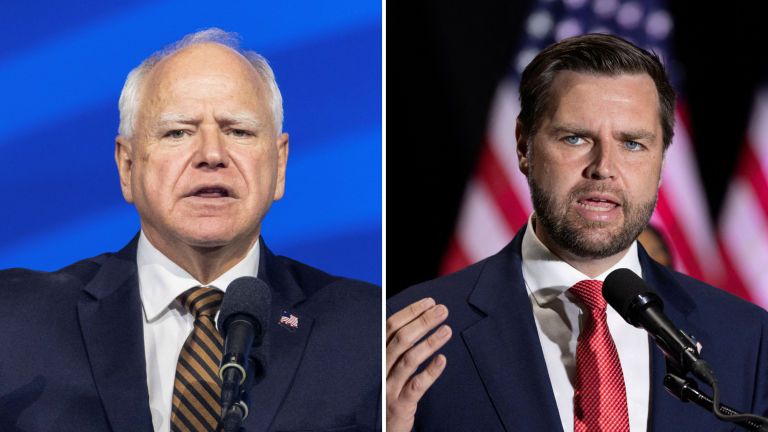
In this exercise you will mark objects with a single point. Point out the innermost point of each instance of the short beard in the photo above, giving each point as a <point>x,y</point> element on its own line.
<point>585,238</point>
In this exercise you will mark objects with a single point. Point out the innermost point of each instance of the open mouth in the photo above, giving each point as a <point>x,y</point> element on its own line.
<point>211,192</point>
<point>597,204</point>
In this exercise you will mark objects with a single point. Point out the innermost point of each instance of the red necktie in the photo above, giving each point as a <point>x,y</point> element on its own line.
<point>600,398</point>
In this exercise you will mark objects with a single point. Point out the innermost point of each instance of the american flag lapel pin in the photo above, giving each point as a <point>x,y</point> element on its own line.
<point>290,321</point>
<point>699,346</point>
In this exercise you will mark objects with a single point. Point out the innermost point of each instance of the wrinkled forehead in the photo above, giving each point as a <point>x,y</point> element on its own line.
<point>617,84</point>
<point>206,73</point>
<point>573,91</point>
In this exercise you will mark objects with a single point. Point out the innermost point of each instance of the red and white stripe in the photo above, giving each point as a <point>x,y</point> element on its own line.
<point>497,202</point>
<point>682,213</point>
<point>743,227</point>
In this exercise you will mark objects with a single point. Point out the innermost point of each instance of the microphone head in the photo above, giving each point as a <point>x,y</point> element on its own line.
<point>249,299</point>
<point>246,296</point>
<point>628,294</point>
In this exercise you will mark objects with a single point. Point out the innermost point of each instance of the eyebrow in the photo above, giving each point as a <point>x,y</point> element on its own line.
<point>570,128</point>
<point>167,119</point>
<point>635,135</point>
<point>244,119</point>
<point>629,135</point>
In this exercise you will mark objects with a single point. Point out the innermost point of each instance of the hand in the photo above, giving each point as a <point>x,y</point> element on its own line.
<point>404,329</point>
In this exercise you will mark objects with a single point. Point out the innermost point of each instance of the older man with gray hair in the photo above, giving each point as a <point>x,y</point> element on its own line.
<point>127,341</point>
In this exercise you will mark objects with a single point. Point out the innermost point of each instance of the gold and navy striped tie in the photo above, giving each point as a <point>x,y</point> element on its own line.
<point>197,390</point>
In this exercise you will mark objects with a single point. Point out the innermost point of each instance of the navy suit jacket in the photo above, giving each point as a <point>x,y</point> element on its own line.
<point>74,351</point>
<point>496,379</point>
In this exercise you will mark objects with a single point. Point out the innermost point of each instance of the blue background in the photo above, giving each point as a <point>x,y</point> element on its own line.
<point>63,65</point>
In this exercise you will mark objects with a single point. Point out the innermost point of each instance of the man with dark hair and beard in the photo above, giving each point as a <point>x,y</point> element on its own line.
<point>538,348</point>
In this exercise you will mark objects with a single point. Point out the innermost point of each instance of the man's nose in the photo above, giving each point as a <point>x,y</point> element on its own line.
<point>602,161</point>
<point>212,150</point>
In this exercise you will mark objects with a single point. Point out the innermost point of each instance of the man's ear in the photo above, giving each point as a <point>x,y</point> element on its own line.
<point>124,160</point>
<point>522,149</point>
<point>282,163</point>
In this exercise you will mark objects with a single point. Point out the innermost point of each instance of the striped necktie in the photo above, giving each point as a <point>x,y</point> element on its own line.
<point>197,389</point>
<point>600,397</point>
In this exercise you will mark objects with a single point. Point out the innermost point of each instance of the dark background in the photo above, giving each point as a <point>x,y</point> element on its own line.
<point>444,59</point>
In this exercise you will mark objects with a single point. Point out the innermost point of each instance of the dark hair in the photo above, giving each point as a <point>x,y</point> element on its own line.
<point>592,54</point>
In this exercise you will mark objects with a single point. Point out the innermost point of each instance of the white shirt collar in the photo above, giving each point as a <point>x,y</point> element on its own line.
<point>161,280</point>
<point>548,277</point>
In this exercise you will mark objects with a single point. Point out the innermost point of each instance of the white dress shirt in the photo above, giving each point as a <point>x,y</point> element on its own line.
<point>559,320</point>
<point>166,323</point>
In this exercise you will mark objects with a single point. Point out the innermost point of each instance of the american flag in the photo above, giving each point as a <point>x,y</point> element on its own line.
<point>743,220</point>
<point>289,319</point>
<point>496,201</point>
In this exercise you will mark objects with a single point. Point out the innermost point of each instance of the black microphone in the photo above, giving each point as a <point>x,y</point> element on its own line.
<point>243,321</point>
<point>641,306</point>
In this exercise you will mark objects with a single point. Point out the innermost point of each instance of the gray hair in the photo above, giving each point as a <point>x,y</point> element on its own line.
<point>129,98</point>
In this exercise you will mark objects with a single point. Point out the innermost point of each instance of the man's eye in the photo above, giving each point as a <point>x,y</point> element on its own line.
<point>177,134</point>
<point>573,140</point>
<point>239,132</point>
<point>632,145</point>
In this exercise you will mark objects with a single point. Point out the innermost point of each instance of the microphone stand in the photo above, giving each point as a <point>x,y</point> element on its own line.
<point>232,419</point>
<point>684,388</point>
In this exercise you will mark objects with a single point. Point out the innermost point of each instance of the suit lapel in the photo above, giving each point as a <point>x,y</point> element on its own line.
<point>286,344</point>
<point>506,341</point>
<point>111,323</point>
